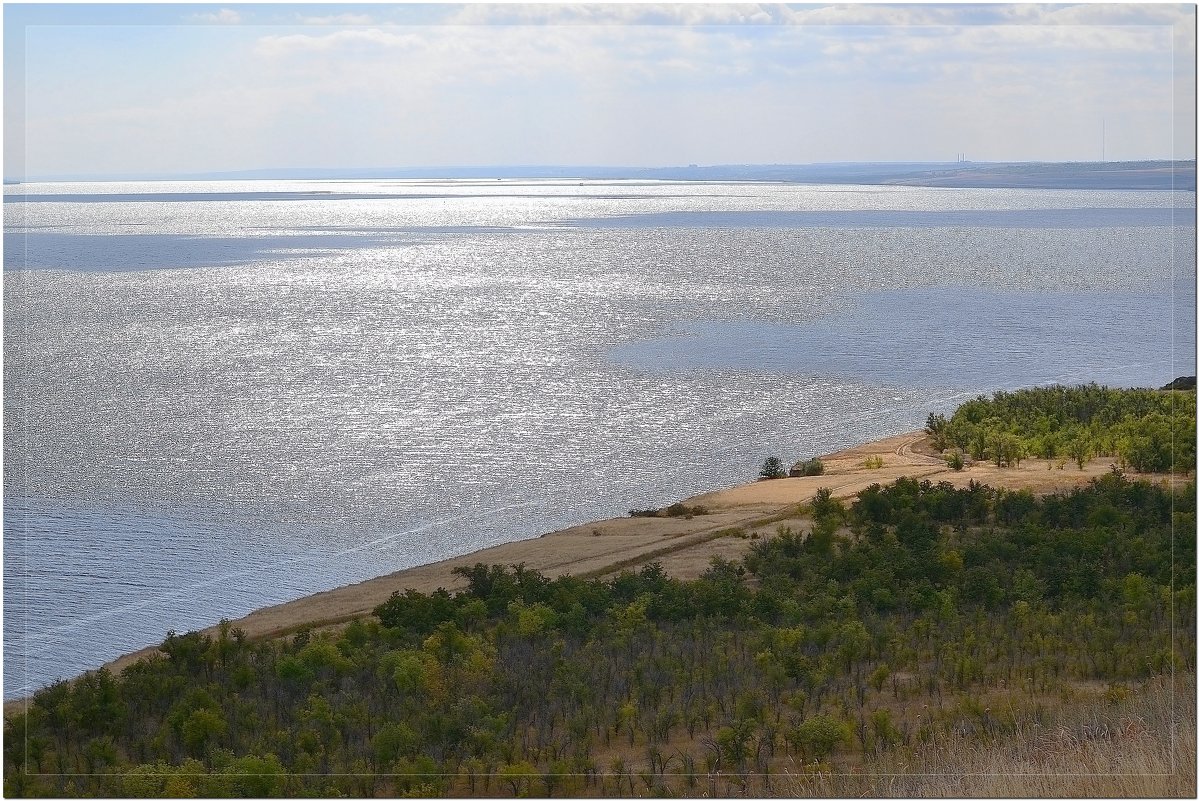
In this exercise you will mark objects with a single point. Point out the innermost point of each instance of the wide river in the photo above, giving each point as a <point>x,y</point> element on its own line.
<point>220,396</point>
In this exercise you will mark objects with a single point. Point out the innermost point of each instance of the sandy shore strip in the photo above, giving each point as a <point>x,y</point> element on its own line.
<point>684,546</point>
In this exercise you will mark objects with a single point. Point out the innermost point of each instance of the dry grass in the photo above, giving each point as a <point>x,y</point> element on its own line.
<point>1140,747</point>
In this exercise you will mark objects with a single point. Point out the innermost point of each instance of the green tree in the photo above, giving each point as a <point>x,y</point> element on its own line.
<point>935,427</point>
<point>772,468</point>
<point>819,735</point>
<point>518,775</point>
<point>202,727</point>
<point>1079,449</point>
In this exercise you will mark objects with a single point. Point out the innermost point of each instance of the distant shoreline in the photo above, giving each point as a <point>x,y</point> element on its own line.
<point>1161,175</point>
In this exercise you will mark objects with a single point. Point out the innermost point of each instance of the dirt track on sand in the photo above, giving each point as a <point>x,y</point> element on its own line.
<point>684,546</point>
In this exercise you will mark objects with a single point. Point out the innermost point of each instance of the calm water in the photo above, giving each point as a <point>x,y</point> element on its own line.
<point>220,396</point>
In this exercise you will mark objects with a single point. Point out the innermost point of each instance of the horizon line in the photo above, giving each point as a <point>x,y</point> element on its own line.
<point>542,170</point>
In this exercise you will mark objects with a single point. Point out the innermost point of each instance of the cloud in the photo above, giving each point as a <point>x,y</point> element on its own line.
<point>614,14</point>
<point>872,14</point>
<point>526,56</point>
<point>339,19</point>
<point>1100,14</point>
<point>638,84</point>
<point>699,14</point>
<point>226,16</point>
<point>640,57</point>
<point>348,41</point>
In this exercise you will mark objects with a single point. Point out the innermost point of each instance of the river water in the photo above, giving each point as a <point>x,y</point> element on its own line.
<point>219,396</point>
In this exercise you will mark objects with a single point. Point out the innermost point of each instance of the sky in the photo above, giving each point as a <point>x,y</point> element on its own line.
<point>139,89</point>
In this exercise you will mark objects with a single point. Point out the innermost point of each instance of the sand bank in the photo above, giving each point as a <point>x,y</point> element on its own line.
<point>684,546</point>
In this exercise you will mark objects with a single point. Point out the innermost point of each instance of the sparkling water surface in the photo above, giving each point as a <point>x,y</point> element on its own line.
<point>220,396</point>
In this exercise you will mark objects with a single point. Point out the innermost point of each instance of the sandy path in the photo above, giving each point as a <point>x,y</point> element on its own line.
<point>685,547</point>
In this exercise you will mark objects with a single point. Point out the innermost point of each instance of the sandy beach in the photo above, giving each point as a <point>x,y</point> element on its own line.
<point>736,518</point>
<point>684,546</point>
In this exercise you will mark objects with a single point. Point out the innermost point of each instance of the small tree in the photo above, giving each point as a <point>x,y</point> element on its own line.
<point>1079,449</point>
<point>818,735</point>
<point>772,468</point>
<point>518,776</point>
<point>825,506</point>
<point>935,427</point>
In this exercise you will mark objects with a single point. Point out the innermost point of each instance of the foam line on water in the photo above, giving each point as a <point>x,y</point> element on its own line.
<point>56,634</point>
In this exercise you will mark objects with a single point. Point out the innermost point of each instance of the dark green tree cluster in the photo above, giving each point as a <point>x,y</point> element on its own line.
<point>875,626</point>
<point>674,510</point>
<point>807,467</point>
<point>1151,431</point>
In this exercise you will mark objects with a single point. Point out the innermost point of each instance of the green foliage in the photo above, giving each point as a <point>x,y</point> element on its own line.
<point>826,507</point>
<point>883,732</point>
<point>394,740</point>
<point>772,468</point>
<point>674,510</point>
<point>518,681</point>
<point>817,737</point>
<point>1149,430</point>
<point>518,776</point>
<point>417,612</point>
<point>808,467</point>
<point>202,727</point>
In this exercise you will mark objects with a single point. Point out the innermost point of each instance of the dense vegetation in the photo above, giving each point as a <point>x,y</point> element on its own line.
<point>773,468</point>
<point>1150,431</point>
<point>807,467</point>
<point>919,614</point>
<point>674,510</point>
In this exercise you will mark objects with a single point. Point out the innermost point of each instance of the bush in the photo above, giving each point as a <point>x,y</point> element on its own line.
<point>811,467</point>
<point>674,510</point>
<point>955,460</point>
<point>819,735</point>
<point>682,510</point>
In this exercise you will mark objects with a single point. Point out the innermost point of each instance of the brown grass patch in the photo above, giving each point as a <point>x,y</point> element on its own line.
<point>1143,746</point>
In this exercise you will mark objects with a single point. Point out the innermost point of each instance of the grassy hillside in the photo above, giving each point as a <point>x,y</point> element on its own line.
<point>890,645</point>
<point>918,614</point>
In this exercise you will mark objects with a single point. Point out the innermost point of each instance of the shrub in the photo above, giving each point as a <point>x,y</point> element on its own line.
<point>955,460</point>
<point>811,467</point>
<point>674,510</point>
<point>819,735</point>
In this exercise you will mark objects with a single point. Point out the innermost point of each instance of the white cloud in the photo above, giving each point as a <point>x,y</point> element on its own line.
<point>348,41</point>
<point>339,19</point>
<point>832,83</point>
<point>871,14</point>
<point>226,16</point>
<point>1103,14</point>
<point>613,14</point>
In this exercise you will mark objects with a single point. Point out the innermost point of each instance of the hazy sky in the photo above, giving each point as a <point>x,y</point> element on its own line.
<point>104,89</point>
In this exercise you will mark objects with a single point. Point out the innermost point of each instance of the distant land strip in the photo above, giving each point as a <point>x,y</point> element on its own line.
<point>1127,175</point>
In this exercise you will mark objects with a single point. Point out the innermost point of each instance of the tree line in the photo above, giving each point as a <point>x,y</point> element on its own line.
<point>918,611</point>
<point>1150,431</point>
